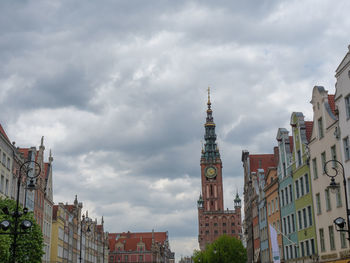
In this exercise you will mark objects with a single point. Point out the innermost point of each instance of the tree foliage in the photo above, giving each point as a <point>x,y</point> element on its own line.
<point>29,246</point>
<point>225,249</point>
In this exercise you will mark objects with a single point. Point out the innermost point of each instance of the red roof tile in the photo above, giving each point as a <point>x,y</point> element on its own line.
<point>2,131</point>
<point>25,152</point>
<point>262,161</point>
<point>331,103</point>
<point>291,143</point>
<point>308,127</point>
<point>130,240</point>
<point>46,170</point>
<point>54,212</point>
<point>70,208</point>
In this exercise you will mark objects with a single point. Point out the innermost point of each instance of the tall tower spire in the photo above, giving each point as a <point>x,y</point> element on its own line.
<point>211,151</point>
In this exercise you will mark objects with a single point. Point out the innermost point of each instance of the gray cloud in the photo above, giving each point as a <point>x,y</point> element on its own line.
<point>118,90</point>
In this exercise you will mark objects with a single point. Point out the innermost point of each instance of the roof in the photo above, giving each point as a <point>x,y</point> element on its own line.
<point>130,240</point>
<point>70,208</point>
<point>308,127</point>
<point>2,131</point>
<point>266,161</point>
<point>291,144</point>
<point>331,103</point>
<point>54,212</point>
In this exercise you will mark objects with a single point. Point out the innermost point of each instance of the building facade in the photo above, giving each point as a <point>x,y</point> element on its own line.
<point>251,164</point>
<point>76,237</point>
<point>286,194</point>
<point>302,183</point>
<point>6,160</point>
<point>262,211</point>
<point>324,146</point>
<point>140,247</point>
<point>213,219</point>
<point>273,210</point>
<point>342,102</point>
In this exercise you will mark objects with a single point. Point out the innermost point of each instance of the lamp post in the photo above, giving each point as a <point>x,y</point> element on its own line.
<point>32,170</point>
<point>333,186</point>
<point>82,222</point>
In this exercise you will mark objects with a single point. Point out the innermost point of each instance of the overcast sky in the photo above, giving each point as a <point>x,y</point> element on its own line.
<point>118,89</point>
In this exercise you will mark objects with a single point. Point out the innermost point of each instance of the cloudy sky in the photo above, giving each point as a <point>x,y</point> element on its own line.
<point>118,89</point>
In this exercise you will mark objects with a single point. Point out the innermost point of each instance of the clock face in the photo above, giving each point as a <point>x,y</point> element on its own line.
<point>210,172</point>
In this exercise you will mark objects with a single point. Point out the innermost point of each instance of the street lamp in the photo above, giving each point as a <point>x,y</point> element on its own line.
<point>333,186</point>
<point>32,170</point>
<point>88,230</point>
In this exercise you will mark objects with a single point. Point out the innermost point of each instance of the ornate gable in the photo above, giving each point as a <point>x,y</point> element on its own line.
<point>343,64</point>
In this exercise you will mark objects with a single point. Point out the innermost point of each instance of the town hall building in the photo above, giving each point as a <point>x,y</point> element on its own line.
<point>213,219</point>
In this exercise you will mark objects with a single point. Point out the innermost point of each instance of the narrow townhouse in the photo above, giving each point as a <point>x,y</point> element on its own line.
<point>286,193</point>
<point>342,102</point>
<point>273,211</point>
<point>307,241</point>
<point>324,146</point>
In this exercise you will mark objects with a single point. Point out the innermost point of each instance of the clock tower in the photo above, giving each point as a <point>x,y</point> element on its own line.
<point>213,219</point>
<point>211,166</point>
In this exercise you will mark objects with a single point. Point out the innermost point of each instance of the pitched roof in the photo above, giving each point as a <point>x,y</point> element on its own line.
<point>291,144</point>
<point>130,240</point>
<point>54,212</point>
<point>2,131</point>
<point>25,152</point>
<point>331,103</point>
<point>261,161</point>
<point>308,127</point>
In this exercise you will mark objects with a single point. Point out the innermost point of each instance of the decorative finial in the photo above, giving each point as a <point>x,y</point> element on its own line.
<point>209,103</point>
<point>50,157</point>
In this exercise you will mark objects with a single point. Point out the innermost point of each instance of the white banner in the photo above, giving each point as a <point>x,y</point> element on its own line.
<point>274,245</point>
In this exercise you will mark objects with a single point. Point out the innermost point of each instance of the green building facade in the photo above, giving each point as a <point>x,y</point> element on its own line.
<point>307,241</point>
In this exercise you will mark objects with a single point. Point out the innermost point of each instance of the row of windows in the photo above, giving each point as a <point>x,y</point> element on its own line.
<point>262,214</point>
<point>331,239</point>
<point>216,232</point>
<point>4,185</point>
<point>328,201</point>
<point>304,220</point>
<point>6,161</point>
<point>126,258</point>
<point>305,217</point>
<point>288,224</point>
<point>264,234</point>
<point>286,195</point>
<point>307,248</point>
<point>302,186</point>
<point>272,206</point>
<point>216,224</point>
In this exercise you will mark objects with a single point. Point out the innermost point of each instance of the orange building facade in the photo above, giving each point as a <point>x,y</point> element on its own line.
<point>273,209</point>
